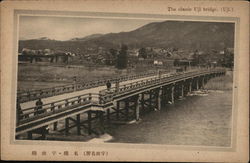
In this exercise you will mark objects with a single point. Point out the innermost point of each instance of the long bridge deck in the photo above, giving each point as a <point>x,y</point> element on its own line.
<point>101,105</point>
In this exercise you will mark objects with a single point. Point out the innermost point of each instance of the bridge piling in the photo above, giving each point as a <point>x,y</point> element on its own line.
<point>172,94</point>
<point>101,121</point>
<point>137,107</point>
<point>30,135</point>
<point>197,84</point>
<point>55,126</point>
<point>108,116</point>
<point>89,122</point>
<point>66,126</point>
<point>150,99</point>
<point>78,121</point>
<point>159,97</point>
<point>203,82</point>
<point>142,101</point>
<point>117,110</point>
<point>126,109</point>
<point>182,90</point>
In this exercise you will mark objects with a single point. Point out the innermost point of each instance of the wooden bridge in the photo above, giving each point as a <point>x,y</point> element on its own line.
<point>91,113</point>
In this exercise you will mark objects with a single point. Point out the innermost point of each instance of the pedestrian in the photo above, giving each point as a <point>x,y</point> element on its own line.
<point>108,84</point>
<point>39,107</point>
<point>19,112</point>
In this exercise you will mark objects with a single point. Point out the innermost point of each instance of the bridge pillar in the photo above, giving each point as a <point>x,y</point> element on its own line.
<point>126,109</point>
<point>117,110</point>
<point>137,107</point>
<point>108,115</point>
<point>66,126</point>
<point>150,99</point>
<point>55,126</point>
<point>89,122</point>
<point>101,121</point>
<point>172,94</point>
<point>142,101</point>
<point>203,82</point>
<point>164,96</point>
<point>197,84</point>
<point>30,136</point>
<point>182,89</point>
<point>159,99</point>
<point>78,121</point>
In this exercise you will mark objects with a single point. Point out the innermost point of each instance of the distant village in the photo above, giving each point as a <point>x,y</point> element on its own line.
<point>148,56</point>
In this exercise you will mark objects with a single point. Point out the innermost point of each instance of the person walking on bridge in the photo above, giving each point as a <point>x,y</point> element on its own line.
<point>39,107</point>
<point>108,84</point>
<point>19,112</point>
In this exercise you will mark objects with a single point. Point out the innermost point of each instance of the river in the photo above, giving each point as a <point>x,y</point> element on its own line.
<point>196,120</point>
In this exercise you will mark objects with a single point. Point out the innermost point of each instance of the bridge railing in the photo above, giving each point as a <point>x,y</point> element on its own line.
<point>107,95</point>
<point>31,95</point>
<point>39,111</point>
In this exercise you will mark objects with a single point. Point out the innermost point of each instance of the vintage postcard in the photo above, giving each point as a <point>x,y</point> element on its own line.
<point>125,80</point>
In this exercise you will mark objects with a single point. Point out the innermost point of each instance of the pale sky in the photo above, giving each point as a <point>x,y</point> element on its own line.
<point>65,28</point>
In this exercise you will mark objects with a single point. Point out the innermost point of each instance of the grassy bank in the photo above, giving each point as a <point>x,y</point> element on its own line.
<point>221,83</point>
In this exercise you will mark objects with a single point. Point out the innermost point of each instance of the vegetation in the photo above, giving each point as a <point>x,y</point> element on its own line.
<point>122,58</point>
<point>221,83</point>
<point>143,53</point>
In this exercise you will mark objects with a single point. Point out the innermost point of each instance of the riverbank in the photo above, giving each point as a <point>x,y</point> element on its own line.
<point>40,76</point>
<point>221,83</point>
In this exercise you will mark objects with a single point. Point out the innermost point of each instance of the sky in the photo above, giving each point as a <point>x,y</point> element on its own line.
<point>65,28</point>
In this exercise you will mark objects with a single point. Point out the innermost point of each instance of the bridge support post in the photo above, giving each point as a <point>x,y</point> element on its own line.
<point>78,121</point>
<point>108,115</point>
<point>142,101</point>
<point>172,94</point>
<point>89,122</point>
<point>182,90</point>
<point>159,99</point>
<point>150,99</point>
<point>101,121</point>
<point>127,109</point>
<point>197,84</point>
<point>203,82</point>
<point>30,135</point>
<point>55,126</point>
<point>117,110</point>
<point>137,108</point>
<point>168,98</point>
<point>66,126</point>
<point>190,86</point>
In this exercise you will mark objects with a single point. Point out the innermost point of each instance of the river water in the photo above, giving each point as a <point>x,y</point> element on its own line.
<point>196,120</point>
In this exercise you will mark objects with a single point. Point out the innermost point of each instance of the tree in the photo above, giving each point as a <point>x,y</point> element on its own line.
<point>143,53</point>
<point>113,52</point>
<point>228,58</point>
<point>111,56</point>
<point>122,58</point>
<point>196,59</point>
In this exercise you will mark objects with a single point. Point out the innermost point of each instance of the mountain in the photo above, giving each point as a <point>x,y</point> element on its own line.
<point>168,34</point>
